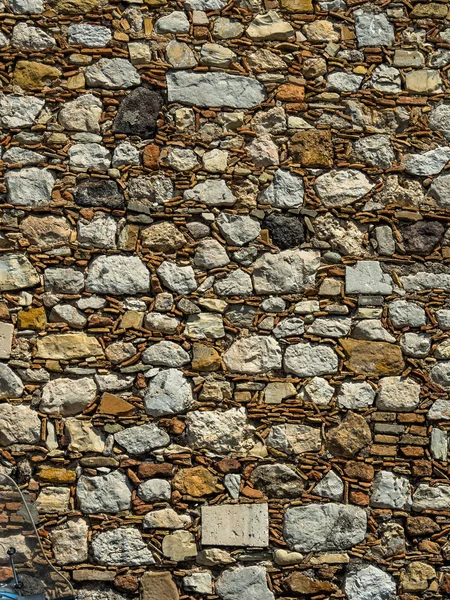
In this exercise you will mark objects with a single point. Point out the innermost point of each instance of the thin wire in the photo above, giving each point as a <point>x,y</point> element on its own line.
<point>25,503</point>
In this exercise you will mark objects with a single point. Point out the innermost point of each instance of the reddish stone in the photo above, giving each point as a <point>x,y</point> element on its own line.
<point>228,465</point>
<point>288,92</point>
<point>359,498</point>
<point>359,470</point>
<point>150,156</point>
<point>126,583</point>
<point>155,470</point>
<point>250,492</point>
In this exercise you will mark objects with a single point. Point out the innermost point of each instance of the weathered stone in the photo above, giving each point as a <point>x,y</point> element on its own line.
<point>19,424</point>
<point>211,192</point>
<point>98,192</point>
<point>373,29</point>
<point>158,585</point>
<point>83,437</point>
<point>368,582</point>
<point>294,439</point>
<point>395,394</point>
<point>312,148</point>
<point>373,358</point>
<point>178,279</point>
<point>351,436</point>
<point>298,583</point>
<point>367,277</point>
<point>429,163</point>
<point>233,584</point>
<point>290,271</point>
<point>277,481</point>
<point>154,489</point>
<point>168,393</point>
<point>112,74</point>
<point>69,542</point>
<point>53,500</point>
<point>235,525</point>
<point>108,493</point>
<point>117,275</point>
<point>66,346</point>
<point>123,546</point>
<point>179,546</point>
<point>286,232</point>
<point>319,527</point>
<point>6,335</point>
<point>141,439</point>
<point>354,394</point>
<point>375,151</point>
<point>81,114</point>
<point>391,491</point>
<point>165,518</point>
<point>162,237</point>
<point>19,111</point>
<point>254,354</point>
<point>67,396</point>
<point>31,75</point>
<point>285,191</point>
<point>310,360</point>
<point>343,187</point>
<point>196,482</point>
<point>417,576</point>
<point>16,272</point>
<point>219,432</point>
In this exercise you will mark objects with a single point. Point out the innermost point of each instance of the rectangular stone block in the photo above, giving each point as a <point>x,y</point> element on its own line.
<point>235,525</point>
<point>6,334</point>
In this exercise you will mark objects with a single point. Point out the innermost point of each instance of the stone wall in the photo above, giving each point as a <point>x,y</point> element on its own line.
<point>225,278</point>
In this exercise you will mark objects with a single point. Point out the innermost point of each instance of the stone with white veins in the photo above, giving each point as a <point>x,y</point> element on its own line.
<point>368,582</point>
<point>117,274</point>
<point>238,229</point>
<point>406,314</point>
<point>112,74</point>
<point>355,394</point>
<point>108,493</point>
<point>324,527</point>
<point>91,36</point>
<point>166,354</point>
<point>236,283</point>
<point>81,114</point>
<point>29,187</point>
<point>309,360</point>
<point>168,393</point>
<point>294,439</point>
<point>253,354</point>
<point>330,486</point>
<point>212,192</point>
<point>178,279</point>
<point>19,424</point>
<point>428,163</point>
<point>16,272</point>
<point>373,29</point>
<point>31,38</point>
<point>67,396</point>
<point>121,547</point>
<point>390,490</point>
<point>367,277</point>
<point>89,156</point>
<point>220,432</point>
<point>397,394</point>
<point>289,271</point>
<point>342,187</point>
<point>141,439</point>
<point>214,89</point>
<point>19,111</point>
<point>244,582</point>
<point>285,191</point>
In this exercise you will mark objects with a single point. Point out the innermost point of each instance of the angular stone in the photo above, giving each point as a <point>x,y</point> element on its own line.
<point>354,394</point>
<point>428,163</point>
<point>92,36</point>
<point>285,232</point>
<point>196,482</point>
<point>120,547</point>
<point>11,385</point>
<point>154,490</point>
<point>141,439</point>
<point>162,237</point>
<point>343,187</point>
<point>112,74</point>
<point>333,327</point>
<point>179,546</point>
<point>373,358</point>
<point>340,81</point>
<point>309,360</point>
<point>98,192</point>
<point>69,542</point>
<point>276,392</point>
<point>117,275</point>
<point>29,187</point>
<point>19,111</point>
<point>114,405</point>
<point>31,75</point>
<point>244,582</point>
<point>312,148</point>
<point>178,279</point>
<point>108,493</point>
<point>253,354</point>
<point>31,38</point>
<point>330,486</point>
<point>81,114</point>
<point>368,582</point>
<point>158,585</point>
<point>277,481</point>
<point>391,491</point>
<point>324,527</point>
<point>6,335</point>
<point>294,439</point>
<point>138,113</point>
<point>395,394</point>
<point>219,432</point>
<point>290,271</point>
<point>367,277</point>
<point>53,500</point>
<point>373,29</point>
<point>235,525</point>
<point>440,410</point>
<point>424,81</point>
<point>66,346</point>
<point>285,191</point>
<point>47,231</point>
<point>238,229</point>
<point>269,26</point>
<point>19,424</point>
<point>406,314</point>
<point>427,497</point>
<point>205,358</point>
<point>298,583</point>
<point>214,89</point>
<point>67,396</point>
<point>166,354</point>
<point>211,192</point>
<point>168,393</point>
<point>351,436</point>
<point>375,150</point>
<point>203,326</point>
<point>83,437</point>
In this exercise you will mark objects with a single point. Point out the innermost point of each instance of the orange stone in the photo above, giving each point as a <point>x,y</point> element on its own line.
<point>373,358</point>
<point>289,92</point>
<point>196,482</point>
<point>111,404</point>
<point>150,156</point>
<point>205,358</point>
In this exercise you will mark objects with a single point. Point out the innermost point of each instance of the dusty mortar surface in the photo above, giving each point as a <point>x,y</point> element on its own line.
<point>225,294</point>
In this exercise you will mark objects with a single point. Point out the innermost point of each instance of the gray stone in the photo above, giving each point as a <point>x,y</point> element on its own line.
<point>117,274</point>
<point>391,491</point>
<point>440,410</point>
<point>385,240</point>
<point>406,314</point>
<point>386,79</point>
<point>154,489</point>
<point>212,192</point>
<point>439,444</point>
<point>70,542</point>
<point>398,395</point>
<point>31,38</point>
<point>108,493</point>
<point>290,327</point>
<point>206,5</point>
<point>439,189</point>
<point>342,187</point>
<point>63,280</point>
<point>324,527</point>
<point>334,327</point>
<point>219,432</point>
<point>166,354</point>
<point>355,394</point>
<point>330,486</point>
<point>121,547</point>
<point>27,158</point>
<point>175,22</point>
<point>367,277</point>
<point>163,323</point>
<point>368,582</point>
<point>199,582</point>
<point>100,232</point>
<point>309,360</point>
<point>443,318</point>
<point>244,582</point>
<point>253,354</point>
<point>232,483</point>
<point>427,497</point>
<point>16,272</point>
<point>440,374</point>
<point>277,481</point>
<point>417,345</point>
<point>210,254</point>
<point>238,229</point>
<point>19,111</point>
<point>66,313</point>
<point>373,29</point>
<point>29,187</point>
<point>81,114</point>
<point>168,393</point>
<point>375,150</point>
<point>112,74</point>
<point>178,279</point>
<point>165,518</point>
<point>23,7</point>
<point>341,81</point>
<point>237,283</point>
<point>235,525</point>
<point>125,154</point>
<point>91,36</point>
<point>428,163</point>
<point>214,89</point>
<point>290,271</point>
<point>67,396</point>
<point>439,120</point>
<point>89,156</point>
<point>294,439</point>
<point>19,424</point>
<point>319,391</point>
<point>372,329</point>
<point>141,439</point>
<point>285,191</point>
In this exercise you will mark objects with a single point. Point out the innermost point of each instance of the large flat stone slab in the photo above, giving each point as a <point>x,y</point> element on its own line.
<point>235,525</point>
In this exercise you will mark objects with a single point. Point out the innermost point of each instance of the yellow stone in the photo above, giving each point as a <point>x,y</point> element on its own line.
<point>32,318</point>
<point>30,75</point>
<point>297,6</point>
<point>76,82</point>
<point>56,475</point>
<point>76,7</point>
<point>373,358</point>
<point>67,346</point>
<point>132,319</point>
<point>196,482</point>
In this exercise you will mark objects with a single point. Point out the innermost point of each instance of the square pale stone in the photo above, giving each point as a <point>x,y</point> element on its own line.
<point>6,334</point>
<point>235,525</point>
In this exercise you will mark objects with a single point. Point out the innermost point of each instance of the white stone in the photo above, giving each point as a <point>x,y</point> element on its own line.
<point>19,111</point>
<point>439,410</point>
<point>244,525</point>
<point>406,314</point>
<point>91,36</point>
<point>367,277</point>
<point>439,444</point>
<point>212,192</point>
<point>368,582</point>
<point>373,29</point>
<point>141,439</point>
<point>330,486</point>
<point>237,283</point>
<point>319,391</point>
<point>428,163</point>
<point>355,394</point>
<point>83,437</point>
<point>29,187</point>
<point>372,329</point>
<point>154,489</point>
<point>125,154</point>
<point>220,432</point>
<point>108,493</point>
<point>100,233</point>
<point>70,542</point>
<point>166,354</point>
<point>67,396</point>
<point>175,22</point>
<point>391,491</point>
<point>22,7</point>
<point>427,497</point>
<point>112,74</point>
<point>178,279</point>
<point>396,394</point>
<point>386,79</point>
<point>294,439</point>
<point>238,229</point>
<point>290,271</point>
<point>31,38</point>
<point>6,336</point>
<point>285,191</point>
<point>19,424</point>
<point>117,274</point>
<point>309,360</point>
<point>121,547</point>
<point>341,81</point>
<point>334,327</point>
<point>253,354</point>
<point>342,187</point>
<point>89,156</point>
<point>81,114</point>
<point>168,393</point>
<point>199,582</point>
<point>165,518</point>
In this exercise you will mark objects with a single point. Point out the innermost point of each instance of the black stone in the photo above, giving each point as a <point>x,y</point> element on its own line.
<point>285,232</point>
<point>138,113</point>
<point>422,237</point>
<point>99,192</point>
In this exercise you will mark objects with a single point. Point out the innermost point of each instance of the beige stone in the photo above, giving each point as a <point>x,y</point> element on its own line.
<point>47,231</point>
<point>83,436</point>
<point>6,335</point>
<point>67,346</point>
<point>162,237</point>
<point>158,586</point>
<point>31,75</point>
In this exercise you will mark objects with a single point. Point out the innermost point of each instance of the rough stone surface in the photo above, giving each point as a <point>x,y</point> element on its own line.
<point>121,547</point>
<point>235,525</point>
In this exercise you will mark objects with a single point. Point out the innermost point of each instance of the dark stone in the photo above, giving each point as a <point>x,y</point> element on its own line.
<point>419,526</point>
<point>99,192</point>
<point>241,315</point>
<point>277,481</point>
<point>422,237</point>
<point>138,113</point>
<point>286,232</point>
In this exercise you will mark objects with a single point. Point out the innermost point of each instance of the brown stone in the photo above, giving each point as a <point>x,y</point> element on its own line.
<point>419,526</point>
<point>445,583</point>
<point>196,482</point>
<point>155,470</point>
<point>228,465</point>
<point>298,583</point>
<point>76,7</point>
<point>351,436</point>
<point>312,148</point>
<point>110,404</point>
<point>205,358</point>
<point>358,498</point>
<point>429,10</point>
<point>32,318</point>
<point>288,92</point>
<point>56,474</point>
<point>359,470</point>
<point>158,586</point>
<point>126,583</point>
<point>150,156</point>
<point>297,6</point>
<point>30,75</point>
<point>380,450</point>
<point>250,492</point>
<point>373,358</point>
<point>422,468</point>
